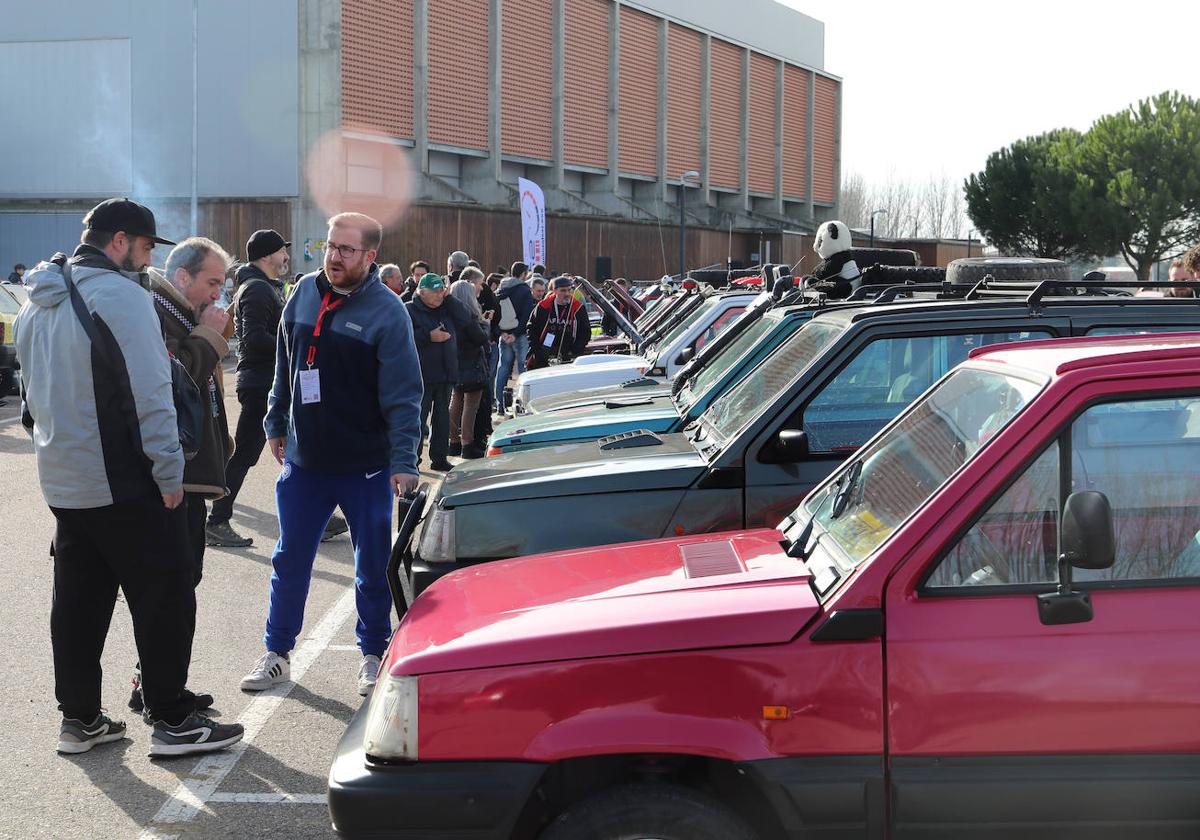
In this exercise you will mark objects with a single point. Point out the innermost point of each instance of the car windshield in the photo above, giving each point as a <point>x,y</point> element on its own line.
<point>719,365</point>
<point>758,389</point>
<point>868,499</point>
<point>8,304</point>
<point>683,326</point>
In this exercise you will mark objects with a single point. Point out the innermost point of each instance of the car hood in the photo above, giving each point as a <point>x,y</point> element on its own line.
<point>624,413</point>
<point>709,591</point>
<point>559,371</point>
<point>573,469</point>
<point>598,396</point>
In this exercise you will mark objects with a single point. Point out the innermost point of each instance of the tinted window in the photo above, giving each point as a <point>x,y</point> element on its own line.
<point>884,378</point>
<point>715,328</point>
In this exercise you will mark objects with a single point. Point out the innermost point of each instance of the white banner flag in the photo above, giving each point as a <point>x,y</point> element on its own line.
<point>533,223</point>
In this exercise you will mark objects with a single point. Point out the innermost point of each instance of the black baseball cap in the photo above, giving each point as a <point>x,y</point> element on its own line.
<point>120,214</point>
<point>263,243</point>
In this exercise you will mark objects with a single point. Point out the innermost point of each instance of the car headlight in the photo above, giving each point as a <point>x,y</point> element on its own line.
<point>437,539</point>
<point>391,730</point>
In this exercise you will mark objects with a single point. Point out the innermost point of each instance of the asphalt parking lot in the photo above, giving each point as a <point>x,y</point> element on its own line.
<point>271,785</point>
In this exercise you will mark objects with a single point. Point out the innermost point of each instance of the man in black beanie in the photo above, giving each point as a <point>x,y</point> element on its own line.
<point>258,300</point>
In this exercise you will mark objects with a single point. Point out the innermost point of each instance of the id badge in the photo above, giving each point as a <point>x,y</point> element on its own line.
<point>548,341</point>
<point>310,386</point>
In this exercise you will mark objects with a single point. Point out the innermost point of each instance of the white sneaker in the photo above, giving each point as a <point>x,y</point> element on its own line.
<point>271,669</point>
<point>367,674</point>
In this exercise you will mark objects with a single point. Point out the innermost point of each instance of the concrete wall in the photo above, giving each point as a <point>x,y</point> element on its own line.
<point>96,99</point>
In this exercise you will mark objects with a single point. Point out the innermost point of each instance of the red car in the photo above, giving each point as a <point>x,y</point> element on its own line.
<point>985,624</point>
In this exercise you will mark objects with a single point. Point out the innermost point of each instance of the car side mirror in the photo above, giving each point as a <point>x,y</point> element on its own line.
<point>791,444</point>
<point>685,356</point>
<point>1087,541</point>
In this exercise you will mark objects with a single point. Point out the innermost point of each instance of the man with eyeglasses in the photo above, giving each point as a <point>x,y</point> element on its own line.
<point>344,423</point>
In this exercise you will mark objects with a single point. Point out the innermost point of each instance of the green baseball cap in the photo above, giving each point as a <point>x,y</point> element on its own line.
<point>432,281</point>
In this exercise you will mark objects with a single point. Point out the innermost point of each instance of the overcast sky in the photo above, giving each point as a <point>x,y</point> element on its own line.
<point>932,87</point>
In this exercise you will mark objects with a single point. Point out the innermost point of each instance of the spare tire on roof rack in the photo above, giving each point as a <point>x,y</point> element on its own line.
<point>974,269</point>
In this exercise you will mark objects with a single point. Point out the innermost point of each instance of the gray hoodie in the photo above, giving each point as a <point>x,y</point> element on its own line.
<point>103,423</point>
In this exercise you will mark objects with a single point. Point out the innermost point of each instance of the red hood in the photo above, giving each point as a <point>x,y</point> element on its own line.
<point>739,589</point>
<point>548,301</point>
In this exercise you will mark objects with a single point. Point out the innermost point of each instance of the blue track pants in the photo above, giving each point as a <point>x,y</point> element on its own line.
<point>305,500</point>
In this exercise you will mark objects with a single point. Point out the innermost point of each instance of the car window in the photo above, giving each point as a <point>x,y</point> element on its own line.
<point>715,328</point>
<point>725,359</point>
<point>759,388</point>
<point>1141,454</point>
<point>881,380</point>
<point>8,304</point>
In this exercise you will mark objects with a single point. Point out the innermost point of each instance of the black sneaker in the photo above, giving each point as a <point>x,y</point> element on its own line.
<point>473,451</point>
<point>138,704</point>
<point>75,736</point>
<point>222,535</point>
<point>197,734</point>
<point>336,526</point>
<point>441,466</point>
<point>456,448</point>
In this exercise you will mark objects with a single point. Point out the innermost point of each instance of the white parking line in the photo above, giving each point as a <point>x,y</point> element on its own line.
<point>342,647</point>
<point>270,798</point>
<point>200,787</point>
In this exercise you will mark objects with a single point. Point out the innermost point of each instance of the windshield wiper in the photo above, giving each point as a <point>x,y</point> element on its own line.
<point>842,498</point>
<point>839,493</point>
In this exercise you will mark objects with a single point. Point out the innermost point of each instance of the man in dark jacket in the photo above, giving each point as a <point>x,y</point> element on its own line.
<point>490,305</point>
<point>516,305</point>
<point>344,423</point>
<point>437,319</point>
<point>257,304</point>
<point>193,329</point>
<point>559,328</point>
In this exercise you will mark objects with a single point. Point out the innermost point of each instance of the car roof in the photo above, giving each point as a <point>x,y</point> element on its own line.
<point>846,315</point>
<point>1061,355</point>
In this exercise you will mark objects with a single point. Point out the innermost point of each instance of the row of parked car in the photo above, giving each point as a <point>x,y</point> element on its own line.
<point>924,563</point>
<point>12,297</point>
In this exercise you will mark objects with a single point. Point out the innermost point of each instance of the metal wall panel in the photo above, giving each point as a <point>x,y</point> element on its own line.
<point>90,150</point>
<point>458,73</point>
<point>825,139</point>
<point>639,93</point>
<point>585,107</point>
<point>377,66</point>
<point>795,131</point>
<point>247,92</point>
<point>684,88</point>
<point>725,115</point>
<point>32,237</point>
<point>525,78</point>
<point>763,115</point>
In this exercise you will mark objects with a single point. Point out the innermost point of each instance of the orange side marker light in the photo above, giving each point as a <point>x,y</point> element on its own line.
<point>775,712</point>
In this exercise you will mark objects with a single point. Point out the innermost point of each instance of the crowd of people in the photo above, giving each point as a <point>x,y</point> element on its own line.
<point>345,375</point>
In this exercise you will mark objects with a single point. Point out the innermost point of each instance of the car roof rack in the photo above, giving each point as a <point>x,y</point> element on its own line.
<point>1035,291</point>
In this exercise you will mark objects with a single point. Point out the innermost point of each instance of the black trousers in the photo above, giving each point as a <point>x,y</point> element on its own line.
<point>248,442</point>
<point>435,419</point>
<point>138,546</point>
<point>195,514</point>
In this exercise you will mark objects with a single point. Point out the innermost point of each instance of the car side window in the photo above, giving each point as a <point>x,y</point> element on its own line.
<point>1141,455</point>
<point>715,328</point>
<point>878,383</point>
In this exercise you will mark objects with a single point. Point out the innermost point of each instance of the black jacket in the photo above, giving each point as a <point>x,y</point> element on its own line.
<point>257,305</point>
<point>570,335</point>
<point>488,302</point>
<point>439,362</point>
<point>517,293</point>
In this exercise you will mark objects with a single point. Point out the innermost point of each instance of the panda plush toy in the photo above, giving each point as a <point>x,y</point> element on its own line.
<point>837,274</point>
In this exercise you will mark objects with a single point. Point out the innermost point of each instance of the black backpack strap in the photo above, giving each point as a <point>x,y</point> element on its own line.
<point>81,310</point>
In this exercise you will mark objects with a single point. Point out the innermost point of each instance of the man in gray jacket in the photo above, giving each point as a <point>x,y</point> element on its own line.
<point>99,405</point>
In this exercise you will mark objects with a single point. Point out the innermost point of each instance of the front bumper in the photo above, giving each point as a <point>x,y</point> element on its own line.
<point>478,800</point>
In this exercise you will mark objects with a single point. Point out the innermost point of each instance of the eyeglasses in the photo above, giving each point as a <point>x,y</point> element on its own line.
<point>345,250</point>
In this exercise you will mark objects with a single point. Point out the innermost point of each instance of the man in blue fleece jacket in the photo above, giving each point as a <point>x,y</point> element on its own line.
<point>344,421</point>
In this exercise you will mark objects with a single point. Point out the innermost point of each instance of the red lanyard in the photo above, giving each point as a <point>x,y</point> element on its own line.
<point>326,307</point>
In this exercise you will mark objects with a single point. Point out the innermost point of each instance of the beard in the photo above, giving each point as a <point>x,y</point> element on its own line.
<point>127,263</point>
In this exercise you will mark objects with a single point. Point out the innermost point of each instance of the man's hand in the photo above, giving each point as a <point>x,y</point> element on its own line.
<point>277,445</point>
<point>215,318</point>
<point>439,335</point>
<point>173,500</point>
<point>403,484</point>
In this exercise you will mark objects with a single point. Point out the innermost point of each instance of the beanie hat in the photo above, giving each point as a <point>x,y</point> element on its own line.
<point>263,243</point>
